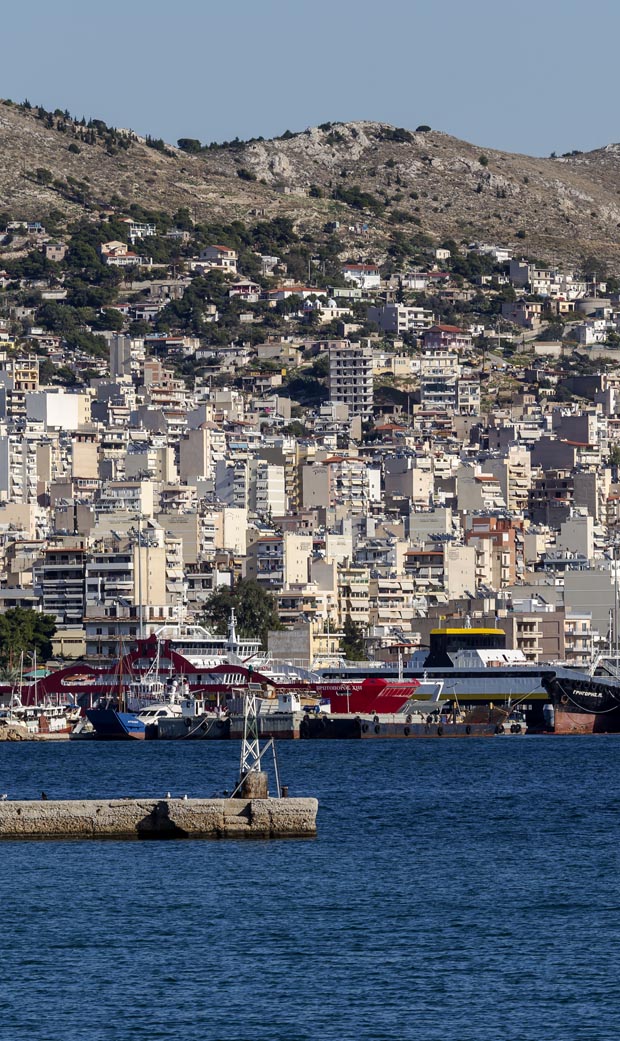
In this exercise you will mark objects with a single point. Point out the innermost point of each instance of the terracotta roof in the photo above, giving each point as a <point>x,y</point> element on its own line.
<point>293,289</point>
<point>361,267</point>
<point>447,329</point>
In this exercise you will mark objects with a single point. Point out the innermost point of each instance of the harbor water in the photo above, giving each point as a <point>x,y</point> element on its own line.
<point>457,891</point>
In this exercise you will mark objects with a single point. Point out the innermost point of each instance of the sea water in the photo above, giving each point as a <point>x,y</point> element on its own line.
<point>456,891</point>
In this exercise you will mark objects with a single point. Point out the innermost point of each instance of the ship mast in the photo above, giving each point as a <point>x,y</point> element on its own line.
<point>121,686</point>
<point>233,644</point>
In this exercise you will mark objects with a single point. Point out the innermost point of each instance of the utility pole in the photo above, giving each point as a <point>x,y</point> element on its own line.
<point>615,603</point>
<point>140,610</point>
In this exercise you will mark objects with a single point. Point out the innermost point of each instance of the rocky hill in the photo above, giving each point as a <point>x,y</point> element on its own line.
<point>360,174</point>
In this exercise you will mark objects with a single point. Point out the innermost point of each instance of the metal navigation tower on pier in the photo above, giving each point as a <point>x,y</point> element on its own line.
<point>252,778</point>
<point>250,745</point>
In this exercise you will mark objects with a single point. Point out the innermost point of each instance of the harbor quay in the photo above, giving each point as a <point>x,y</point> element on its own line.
<point>169,818</point>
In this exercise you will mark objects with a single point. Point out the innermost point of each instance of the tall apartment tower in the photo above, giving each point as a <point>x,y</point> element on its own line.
<point>120,356</point>
<point>350,377</point>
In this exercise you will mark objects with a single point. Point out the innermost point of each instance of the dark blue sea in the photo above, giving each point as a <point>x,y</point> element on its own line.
<point>457,891</point>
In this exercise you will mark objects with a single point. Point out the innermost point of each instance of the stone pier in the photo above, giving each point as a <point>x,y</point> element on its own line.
<point>158,818</point>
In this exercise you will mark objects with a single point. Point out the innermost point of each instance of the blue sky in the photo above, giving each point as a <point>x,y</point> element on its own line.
<point>531,77</point>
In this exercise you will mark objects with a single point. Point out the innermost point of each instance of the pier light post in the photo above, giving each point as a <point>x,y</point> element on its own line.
<point>252,779</point>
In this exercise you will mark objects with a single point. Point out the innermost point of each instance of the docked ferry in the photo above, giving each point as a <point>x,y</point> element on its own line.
<point>474,667</point>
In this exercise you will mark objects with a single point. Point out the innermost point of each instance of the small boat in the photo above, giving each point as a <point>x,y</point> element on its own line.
<point>150,705</point>
<point>139,705</point>
<point>40,719</point>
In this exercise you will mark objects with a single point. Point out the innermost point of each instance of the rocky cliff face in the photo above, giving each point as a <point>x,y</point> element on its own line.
<point>411,182</point>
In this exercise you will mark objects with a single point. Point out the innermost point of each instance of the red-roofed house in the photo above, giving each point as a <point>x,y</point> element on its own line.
<point>220,257</point>
<point>447,337</point>
<point>366,276</point>
<point>116,254</point>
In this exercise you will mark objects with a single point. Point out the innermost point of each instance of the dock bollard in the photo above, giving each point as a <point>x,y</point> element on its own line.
<point>285,791</point>
<point>255,785</point>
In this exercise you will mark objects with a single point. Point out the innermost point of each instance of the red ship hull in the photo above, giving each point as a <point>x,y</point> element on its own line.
<point>86,685</point>
<point>374,695</point>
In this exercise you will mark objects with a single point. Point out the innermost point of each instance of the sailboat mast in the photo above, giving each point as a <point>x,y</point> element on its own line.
<point>121,691</point>
<point>140,608</point>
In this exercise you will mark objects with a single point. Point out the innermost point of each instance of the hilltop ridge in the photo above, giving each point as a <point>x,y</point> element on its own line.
<point>396,181</point>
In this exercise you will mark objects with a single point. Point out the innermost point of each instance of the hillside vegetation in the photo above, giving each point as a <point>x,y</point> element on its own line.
<point>385,185</point>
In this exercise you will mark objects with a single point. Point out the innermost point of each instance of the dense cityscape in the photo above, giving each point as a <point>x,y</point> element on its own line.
<point>382,444</point>
<point>309,522</point>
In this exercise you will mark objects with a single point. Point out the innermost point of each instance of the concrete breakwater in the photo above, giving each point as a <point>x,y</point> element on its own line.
<point>158,818</point>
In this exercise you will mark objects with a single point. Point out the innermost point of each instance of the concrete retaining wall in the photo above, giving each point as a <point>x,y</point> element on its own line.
<point>158,818</point>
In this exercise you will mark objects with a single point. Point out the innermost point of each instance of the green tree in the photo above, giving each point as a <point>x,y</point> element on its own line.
<point>353,640</point>
<point>24,630</point>
<point>182,219</point>
<point>109,318</point>
<point>189,144</point>
<point>554,331</point>
<point>254,607</point>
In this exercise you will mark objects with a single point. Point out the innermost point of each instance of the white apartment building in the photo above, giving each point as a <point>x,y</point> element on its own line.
<point>20,461</point>
<point>350,377</point>
<point>267,489</point>
<point>401,318</point>
<point>439,373</point>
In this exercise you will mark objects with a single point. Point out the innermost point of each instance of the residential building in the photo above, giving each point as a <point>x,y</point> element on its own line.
<point>366,276</point>
<point>221,257</point>
<point>400,318</point>
<point>350,377</point>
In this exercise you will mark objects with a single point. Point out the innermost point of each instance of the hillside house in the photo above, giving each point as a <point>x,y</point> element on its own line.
<point>366,276</point>
<point>117,254</point>
<point>283,292</point>
<point>138,229</point>
<point>54,251</point>
<point>220,257</point>
<point>247,289</point>
<point>524,313</point>
<point>446,337</point>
